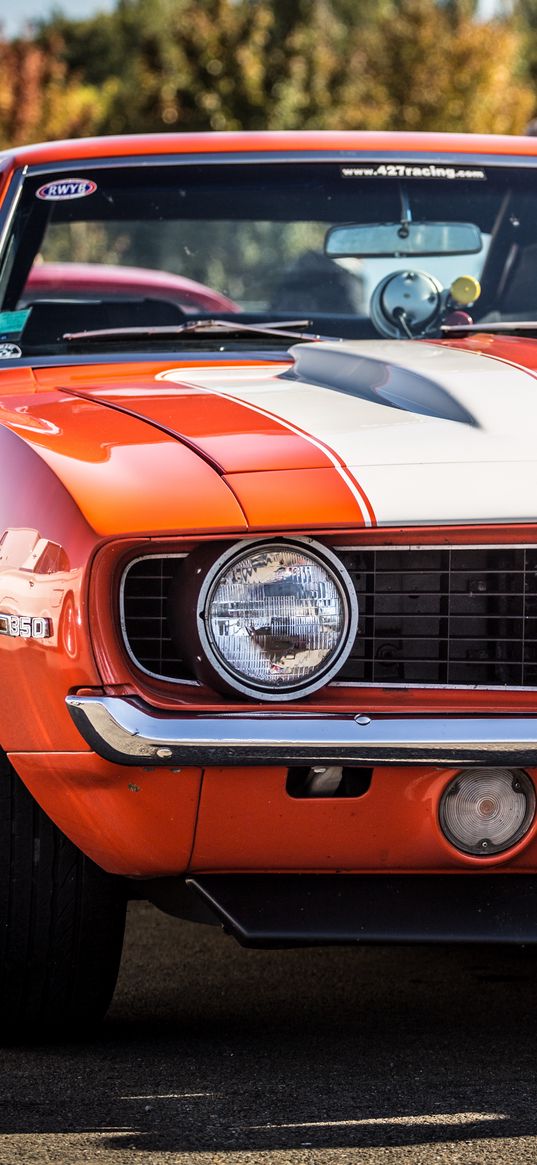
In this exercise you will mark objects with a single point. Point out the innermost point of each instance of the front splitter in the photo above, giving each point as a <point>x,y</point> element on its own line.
<point>286,910</point>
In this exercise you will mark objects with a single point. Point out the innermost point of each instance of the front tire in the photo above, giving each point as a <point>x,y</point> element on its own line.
<point>61,924</point>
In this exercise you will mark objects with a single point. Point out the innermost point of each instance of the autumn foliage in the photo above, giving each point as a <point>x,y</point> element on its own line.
<point>255,64</point>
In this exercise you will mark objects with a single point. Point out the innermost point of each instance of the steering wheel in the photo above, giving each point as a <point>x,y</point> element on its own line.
<point>406,303</point>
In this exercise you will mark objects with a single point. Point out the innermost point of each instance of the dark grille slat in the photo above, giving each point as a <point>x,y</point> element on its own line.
<point>145,599</point>
<point>439,616</point>
<point>445,616</point>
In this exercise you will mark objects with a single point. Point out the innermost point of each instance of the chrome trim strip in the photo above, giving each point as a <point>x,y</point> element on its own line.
<point>10,205</point>
<point>130,732</point>
<point>387,686</point>
<point>212,158</point>
<point>328,154</point>
<point>369,545</point>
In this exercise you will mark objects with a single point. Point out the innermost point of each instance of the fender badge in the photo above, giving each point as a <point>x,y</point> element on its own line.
<point>25,627</point>
<point>10,352</point>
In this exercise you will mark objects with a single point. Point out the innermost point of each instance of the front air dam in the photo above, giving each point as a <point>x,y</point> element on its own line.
<point>282,910</point>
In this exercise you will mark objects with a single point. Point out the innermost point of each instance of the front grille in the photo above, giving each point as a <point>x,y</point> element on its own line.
<point>449,617</point>
<point>144,602</point>
<point>445,616</point>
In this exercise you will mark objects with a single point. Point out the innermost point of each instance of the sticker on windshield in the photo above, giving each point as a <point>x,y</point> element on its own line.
<point>411,170</point>
<point>64,188</point>
<point>13,323</point>
<point>10,352</point>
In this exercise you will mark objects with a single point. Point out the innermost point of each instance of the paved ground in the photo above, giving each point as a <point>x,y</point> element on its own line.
<point>216,1055</point>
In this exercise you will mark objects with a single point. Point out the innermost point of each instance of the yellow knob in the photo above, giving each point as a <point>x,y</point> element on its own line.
<point>466,289</point>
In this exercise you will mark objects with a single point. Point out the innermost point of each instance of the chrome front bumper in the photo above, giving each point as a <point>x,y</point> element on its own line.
<point>129,732</point>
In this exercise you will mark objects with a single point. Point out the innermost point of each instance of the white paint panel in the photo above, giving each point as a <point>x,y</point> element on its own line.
<point>454,493</point>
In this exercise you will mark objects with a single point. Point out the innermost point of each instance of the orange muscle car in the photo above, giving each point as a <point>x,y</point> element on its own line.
<point>268,546</point>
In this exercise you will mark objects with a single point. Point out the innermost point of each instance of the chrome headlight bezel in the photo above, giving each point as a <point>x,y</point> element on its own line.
<point>240,683</point>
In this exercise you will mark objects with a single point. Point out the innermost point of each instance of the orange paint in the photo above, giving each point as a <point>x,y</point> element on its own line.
<point>130,821</point>
<point>229,434</point>
<point>301,498</point>
<point>247,821</point>
<point>160,822</point>
<point>153,145</point>
<point>101,456</point>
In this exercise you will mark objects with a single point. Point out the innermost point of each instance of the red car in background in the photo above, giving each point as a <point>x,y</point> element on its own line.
<point>83,280</point>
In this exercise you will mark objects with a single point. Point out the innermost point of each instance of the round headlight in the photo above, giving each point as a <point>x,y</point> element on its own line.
<point>277,618</point>
<point>486,811</point>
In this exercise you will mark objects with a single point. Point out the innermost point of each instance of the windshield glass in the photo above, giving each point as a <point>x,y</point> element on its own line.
<point>152,245</point>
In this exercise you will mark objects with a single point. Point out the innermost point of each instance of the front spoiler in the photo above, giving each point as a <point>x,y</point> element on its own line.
<point>130,732</point>
<point>288,910</point>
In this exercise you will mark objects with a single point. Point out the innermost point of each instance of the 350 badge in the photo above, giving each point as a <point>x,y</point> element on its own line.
<point>25,627</point>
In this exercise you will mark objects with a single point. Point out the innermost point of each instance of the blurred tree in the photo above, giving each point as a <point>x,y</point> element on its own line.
<point>525,17</point>
<point>176,62</point>
<point>439,70</point>
<point>38,98</point>
<point>458,10</point>
<point>255,64</point>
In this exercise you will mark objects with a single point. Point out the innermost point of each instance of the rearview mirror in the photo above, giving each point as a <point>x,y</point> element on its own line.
<point>374,240</point>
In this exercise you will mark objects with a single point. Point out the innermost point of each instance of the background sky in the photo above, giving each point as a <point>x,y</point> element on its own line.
<point>14,14</point>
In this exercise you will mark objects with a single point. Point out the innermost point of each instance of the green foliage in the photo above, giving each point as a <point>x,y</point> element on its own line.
<point>40,99</point>
<point>525,17</point>
<point>447,73</point>
<point>276,64</point>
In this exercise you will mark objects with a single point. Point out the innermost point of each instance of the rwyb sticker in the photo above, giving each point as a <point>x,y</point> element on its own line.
<point>64,188</point>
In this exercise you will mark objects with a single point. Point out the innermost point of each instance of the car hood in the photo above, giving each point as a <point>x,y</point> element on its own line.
<point>347,434</point>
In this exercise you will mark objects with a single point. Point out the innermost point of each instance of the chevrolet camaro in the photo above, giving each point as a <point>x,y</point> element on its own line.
<point>268,546</point>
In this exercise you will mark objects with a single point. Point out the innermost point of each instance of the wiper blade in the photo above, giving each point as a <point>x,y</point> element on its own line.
<point>204,327</point>
<point>509,326</point>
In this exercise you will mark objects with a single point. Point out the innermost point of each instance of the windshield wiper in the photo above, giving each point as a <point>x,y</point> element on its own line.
<point>505,326</point>
<point>203,327</point>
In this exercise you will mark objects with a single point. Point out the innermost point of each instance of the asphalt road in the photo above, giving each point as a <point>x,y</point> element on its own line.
<point>213,1055</point>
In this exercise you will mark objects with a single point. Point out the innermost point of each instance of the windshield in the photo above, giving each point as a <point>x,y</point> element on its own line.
<point>154,245</point>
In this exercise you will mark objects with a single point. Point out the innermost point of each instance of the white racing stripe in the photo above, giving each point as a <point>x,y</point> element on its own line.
<point>415,468</point>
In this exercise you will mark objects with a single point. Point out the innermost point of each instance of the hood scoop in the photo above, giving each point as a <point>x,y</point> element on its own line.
<point>376,380</point>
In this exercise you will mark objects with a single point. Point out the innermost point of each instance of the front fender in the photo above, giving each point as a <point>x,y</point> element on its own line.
<point>35,674</point>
